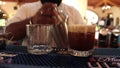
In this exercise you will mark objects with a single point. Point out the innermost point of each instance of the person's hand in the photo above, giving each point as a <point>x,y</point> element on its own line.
<point>46,15</point>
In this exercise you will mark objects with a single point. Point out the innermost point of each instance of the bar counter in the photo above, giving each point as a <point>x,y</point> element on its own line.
<point>102,57</point>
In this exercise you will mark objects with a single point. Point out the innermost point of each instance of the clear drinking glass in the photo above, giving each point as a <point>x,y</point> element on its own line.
<point>39,38</point>
<point>81,40</point>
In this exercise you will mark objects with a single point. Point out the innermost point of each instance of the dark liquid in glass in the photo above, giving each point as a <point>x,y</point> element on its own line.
<point>81,41</point>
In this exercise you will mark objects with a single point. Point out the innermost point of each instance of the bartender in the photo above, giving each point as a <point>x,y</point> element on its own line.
<point>16,26</point>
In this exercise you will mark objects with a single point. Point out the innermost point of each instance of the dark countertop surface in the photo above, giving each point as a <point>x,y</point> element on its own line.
<point>53,60</point>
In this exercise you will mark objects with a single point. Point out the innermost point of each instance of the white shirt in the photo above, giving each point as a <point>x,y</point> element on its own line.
<point>29,9</point>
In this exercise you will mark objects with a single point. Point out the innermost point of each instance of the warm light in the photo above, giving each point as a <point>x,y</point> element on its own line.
<point>106,7</point>
<point>1,2</point>
<point>4,15</point>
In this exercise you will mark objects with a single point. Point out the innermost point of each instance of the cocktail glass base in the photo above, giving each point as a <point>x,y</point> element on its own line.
<point>80,53</point>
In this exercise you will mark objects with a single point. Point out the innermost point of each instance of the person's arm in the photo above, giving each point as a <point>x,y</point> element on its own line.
<point>16,30</point>
<point>16,26</point>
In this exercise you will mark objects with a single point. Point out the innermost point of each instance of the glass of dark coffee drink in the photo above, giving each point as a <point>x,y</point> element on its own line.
<point>81,40</point>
